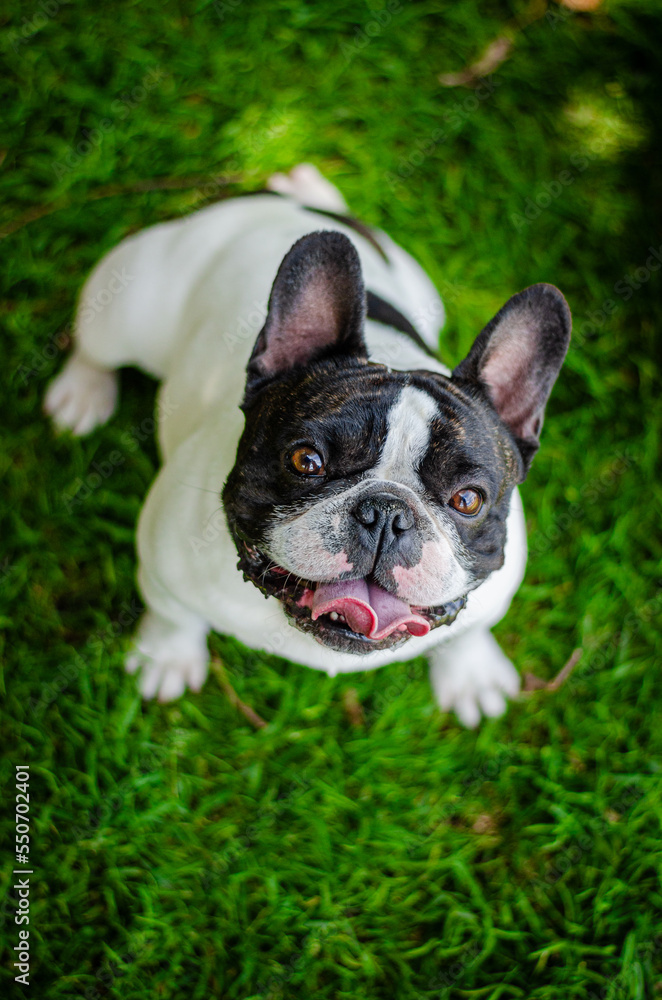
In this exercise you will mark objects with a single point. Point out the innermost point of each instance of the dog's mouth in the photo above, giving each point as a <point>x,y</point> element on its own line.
<point>357,616</point>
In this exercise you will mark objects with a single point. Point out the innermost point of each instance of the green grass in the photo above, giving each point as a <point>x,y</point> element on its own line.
<point>177,851</point>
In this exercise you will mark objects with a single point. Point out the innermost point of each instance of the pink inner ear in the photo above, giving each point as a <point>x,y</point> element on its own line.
<point>311,326</point>
<point>512,383</point>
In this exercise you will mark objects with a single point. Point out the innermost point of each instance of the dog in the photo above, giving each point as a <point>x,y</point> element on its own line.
<point>330,491</point>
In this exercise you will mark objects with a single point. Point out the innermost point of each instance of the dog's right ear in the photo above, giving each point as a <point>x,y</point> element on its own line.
<point>316,309</point>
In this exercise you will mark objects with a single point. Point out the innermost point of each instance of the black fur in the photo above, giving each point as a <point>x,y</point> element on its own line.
<point>341,408</point>
<point>328,396</point>
<point>353,223</point>
<point>339,405</point>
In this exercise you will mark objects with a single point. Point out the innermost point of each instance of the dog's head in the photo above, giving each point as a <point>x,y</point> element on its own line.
<point>370,501</point>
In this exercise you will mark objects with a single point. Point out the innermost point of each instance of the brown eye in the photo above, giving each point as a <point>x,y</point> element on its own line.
<point>467,501</point>
<point>306,461</point>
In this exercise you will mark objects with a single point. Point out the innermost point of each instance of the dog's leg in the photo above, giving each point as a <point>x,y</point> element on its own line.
<point>306,185</point>
<point>124,317</point>
<point>84,394</point>
<point>171,656</point>
<point>82,397</point>
<point>472,676</point>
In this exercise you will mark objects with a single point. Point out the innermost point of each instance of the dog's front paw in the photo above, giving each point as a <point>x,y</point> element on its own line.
<point>169,659</point>
<point>168,676</point>
<point>472,676</point>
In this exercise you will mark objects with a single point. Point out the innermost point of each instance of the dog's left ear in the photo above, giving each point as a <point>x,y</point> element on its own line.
<point>316,308</point>
<point>517,358</point>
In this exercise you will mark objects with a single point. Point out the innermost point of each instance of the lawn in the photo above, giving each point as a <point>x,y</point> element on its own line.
<point>361,845</point>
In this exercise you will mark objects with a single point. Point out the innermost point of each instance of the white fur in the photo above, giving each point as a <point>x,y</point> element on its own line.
<point>407,438</point>
<point>310,544</point>
<point>472,675</point>
<point>82,397</point>
<point>185,300</point>
<point>306,184</point>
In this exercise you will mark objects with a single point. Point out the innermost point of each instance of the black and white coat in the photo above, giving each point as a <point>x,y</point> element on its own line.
<point>253,369</point>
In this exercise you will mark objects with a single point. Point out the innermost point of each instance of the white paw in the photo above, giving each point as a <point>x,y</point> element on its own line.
<point>81,397</point>
<point>169,661</point>
<point>307,185</point>
<point>473,677</point>
<point>166,676</point>
<point>281,183</point>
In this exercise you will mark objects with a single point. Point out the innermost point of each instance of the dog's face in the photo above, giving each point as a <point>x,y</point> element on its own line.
<point>370,502</point>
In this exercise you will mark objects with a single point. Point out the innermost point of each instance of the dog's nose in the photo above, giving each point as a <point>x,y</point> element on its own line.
<point>383,518</point>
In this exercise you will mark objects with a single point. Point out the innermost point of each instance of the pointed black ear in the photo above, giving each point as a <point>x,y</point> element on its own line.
<point>517,358</point>
<point>316,308</point>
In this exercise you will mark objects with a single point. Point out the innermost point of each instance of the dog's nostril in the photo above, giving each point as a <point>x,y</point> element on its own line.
<point>403,522</point>
<point>384,512</point>
<point>367,514</point>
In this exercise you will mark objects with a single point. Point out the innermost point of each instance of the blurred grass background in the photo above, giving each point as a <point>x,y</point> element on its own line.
<point>362,845</point>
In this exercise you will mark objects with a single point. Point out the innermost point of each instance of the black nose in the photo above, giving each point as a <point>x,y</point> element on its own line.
<point>383,518</point>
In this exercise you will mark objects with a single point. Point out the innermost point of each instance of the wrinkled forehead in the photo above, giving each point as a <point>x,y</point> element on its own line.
<point>431,420</point>
<point>414,428</point>
<point>329,390</point>
<point>394,409</point>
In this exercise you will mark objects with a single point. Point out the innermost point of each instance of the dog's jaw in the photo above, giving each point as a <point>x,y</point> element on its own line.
<point>296,598</point>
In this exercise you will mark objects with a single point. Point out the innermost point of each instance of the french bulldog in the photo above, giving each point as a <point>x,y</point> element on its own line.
<point>330,491</point>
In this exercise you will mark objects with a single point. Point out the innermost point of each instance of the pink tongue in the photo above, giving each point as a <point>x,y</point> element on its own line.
<point>367,608</point>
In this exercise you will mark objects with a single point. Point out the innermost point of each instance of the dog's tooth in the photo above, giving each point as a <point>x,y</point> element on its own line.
<point>334,616</point>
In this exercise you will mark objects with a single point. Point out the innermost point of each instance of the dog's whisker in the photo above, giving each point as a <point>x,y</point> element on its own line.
<point>200,489</point>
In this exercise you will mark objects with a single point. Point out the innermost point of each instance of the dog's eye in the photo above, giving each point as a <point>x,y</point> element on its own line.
<point>467,501</point>
<point>306,461</point>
